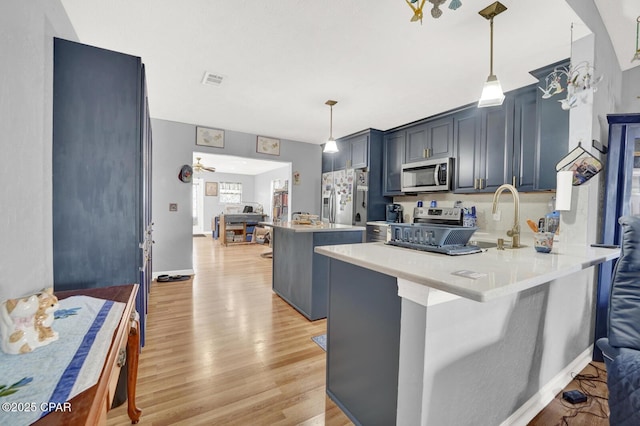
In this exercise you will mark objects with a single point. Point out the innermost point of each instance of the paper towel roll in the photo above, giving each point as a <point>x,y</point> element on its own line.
<point>564,184</point>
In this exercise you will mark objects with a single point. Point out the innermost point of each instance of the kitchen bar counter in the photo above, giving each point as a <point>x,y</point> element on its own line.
<point>407,340</point>
<point>501,272</point>
<point>300,276</point>
<point>322,227</point>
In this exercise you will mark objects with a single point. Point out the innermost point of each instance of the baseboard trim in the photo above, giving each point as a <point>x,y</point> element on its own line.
<point>535,404</point>
<point>176,272</point>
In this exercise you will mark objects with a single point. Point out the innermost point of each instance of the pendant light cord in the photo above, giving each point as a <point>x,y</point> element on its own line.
<point>491,47</point>
<point>331,122</point>
<point>637,33</point>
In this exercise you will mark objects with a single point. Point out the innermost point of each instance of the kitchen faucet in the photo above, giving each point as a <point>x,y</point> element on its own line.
<point>514,232</point>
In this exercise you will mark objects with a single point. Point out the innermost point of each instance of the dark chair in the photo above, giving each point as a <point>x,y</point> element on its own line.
<point>623,332</point>
<point>621,347</point>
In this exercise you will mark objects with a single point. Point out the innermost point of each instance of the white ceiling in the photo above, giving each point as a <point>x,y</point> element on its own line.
<point>236,165</point>
<point>620,18</point>
<point>283,59</point>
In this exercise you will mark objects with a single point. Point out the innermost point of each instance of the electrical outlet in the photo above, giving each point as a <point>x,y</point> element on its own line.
<point>173,207</point>
<point>497,215</point>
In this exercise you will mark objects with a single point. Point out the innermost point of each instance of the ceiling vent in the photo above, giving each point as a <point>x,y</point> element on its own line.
<point>212,79</point>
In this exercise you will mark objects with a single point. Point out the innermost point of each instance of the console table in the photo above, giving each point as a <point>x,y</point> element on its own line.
<point>90,407</point>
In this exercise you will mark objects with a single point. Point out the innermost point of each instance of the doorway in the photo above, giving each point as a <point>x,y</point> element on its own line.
<point>197,206</point>
<point>255,177</point>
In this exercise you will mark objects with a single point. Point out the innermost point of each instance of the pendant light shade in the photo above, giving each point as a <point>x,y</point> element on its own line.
<point>330,146</point>
<point>492,94</point>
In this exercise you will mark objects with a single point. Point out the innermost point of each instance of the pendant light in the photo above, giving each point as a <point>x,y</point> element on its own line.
<point>492,94</point>
<point>636,57</point>
<point>331,145</point>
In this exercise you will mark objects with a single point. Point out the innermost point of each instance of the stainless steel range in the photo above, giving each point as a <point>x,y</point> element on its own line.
<point>437,230</point>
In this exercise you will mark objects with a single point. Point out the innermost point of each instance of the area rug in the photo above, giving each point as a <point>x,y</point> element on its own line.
<point>170,278</point>
<point>321,340</point>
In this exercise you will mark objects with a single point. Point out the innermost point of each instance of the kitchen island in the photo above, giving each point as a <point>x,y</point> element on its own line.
<point>414,336</point>
<point>300,276</point>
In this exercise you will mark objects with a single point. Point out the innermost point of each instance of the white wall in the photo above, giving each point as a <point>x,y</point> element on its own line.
<point>631,98</point>
<point>173,146</point>
<point>27,29</point>
<point>212,205</point>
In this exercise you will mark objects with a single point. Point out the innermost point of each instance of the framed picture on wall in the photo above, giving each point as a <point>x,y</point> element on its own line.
<point>211,189</point>
<point>265,145</point>
<point>209,137</point>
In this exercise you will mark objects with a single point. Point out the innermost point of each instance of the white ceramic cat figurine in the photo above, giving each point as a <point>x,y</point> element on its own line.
<point>25,323</point>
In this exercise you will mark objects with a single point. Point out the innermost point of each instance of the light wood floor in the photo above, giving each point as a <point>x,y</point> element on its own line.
<point>223,349</point>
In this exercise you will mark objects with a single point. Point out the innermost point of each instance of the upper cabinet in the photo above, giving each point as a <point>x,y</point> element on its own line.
<point>518,143</point>
<point>353,153</point>
<point>431,139</point>
<point>552,123</point>
<point>393,155</point>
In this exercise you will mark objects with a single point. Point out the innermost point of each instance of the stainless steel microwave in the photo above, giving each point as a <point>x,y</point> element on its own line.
<point>427,176</point>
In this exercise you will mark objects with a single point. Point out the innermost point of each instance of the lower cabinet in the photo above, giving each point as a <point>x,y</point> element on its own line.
<point>363,343</point>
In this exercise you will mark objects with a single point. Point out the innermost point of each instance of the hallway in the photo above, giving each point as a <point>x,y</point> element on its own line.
<point>223,349</point>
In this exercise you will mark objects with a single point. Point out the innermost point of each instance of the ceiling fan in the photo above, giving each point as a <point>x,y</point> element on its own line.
<point>199,167</point>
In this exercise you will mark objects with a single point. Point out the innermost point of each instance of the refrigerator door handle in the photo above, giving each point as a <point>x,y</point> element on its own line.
<point>332,206</point>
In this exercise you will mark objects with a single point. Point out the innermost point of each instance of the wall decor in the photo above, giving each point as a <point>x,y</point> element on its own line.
<point>209,137</point>
<point>211,189</point>
<point>296,178</point>
<point>185,173</point>
<point>265,145</point>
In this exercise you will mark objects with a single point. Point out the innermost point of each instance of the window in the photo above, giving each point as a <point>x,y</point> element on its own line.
<point>230,192</point>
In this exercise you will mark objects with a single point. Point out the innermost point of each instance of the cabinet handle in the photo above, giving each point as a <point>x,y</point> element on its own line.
<point>481,183</point>
<point>513,180</point>
<point>425,153</point>
<point>348,163</point>
<point>475,183</point>
<point>377,231</point>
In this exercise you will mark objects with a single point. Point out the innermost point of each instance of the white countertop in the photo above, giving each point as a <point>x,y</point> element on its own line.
<point>322,227</point>
<point>503,272</point>
<point>379,223</point>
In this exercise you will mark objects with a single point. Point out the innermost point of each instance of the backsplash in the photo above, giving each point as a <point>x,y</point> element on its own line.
<point>532,206</point>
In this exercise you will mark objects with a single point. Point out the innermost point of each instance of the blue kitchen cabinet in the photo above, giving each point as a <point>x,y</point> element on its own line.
<point>552,134</point>
<point>483,148</point>
<point>496,147</point>
<point>466,130</point>
<point>353,153</point>
<point>518,142</point>
<point>101,164</point>
<point>363,343</point>
<point>430,139</point>
<point>359,147</point>
<point>394,144</point>
<point>527,155</point>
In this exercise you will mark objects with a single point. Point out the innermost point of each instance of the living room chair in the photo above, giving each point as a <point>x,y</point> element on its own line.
<point>621,347</point>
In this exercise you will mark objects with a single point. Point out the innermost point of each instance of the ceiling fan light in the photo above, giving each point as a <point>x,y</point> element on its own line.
<point>492,94</point>
<point>331,146</point>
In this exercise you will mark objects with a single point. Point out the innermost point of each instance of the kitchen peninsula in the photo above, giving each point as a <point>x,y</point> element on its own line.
<point>300,276</point>
<point>414,336</point>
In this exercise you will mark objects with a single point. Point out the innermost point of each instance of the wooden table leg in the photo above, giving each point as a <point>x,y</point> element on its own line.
<point>133,346</point>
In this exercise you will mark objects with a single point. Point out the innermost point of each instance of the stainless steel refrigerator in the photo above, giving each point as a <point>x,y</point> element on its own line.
<point>344,197</point>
